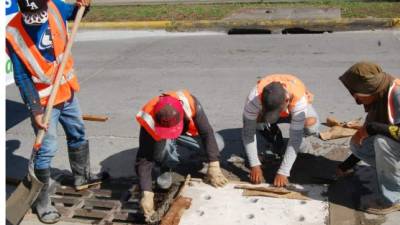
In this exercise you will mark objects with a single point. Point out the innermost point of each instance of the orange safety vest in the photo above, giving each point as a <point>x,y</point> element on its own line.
<point>292,84</point>
<point>146,115</point>
<point>41,70</point>
<point>391,106</point>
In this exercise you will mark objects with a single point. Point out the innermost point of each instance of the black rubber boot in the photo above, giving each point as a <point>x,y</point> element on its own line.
<point>45,211</point>
<point>273,134</point>
<point>79,160</point>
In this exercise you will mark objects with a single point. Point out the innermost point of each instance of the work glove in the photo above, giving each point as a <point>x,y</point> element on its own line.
<point>375,128</point>
<point>215,176</point>
<point>147,204</point>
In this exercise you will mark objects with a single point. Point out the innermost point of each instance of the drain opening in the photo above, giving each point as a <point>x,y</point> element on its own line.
<point>300,30</point>
<point>236,31</point>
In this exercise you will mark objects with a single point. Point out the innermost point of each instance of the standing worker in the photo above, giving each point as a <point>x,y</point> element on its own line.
<point>275,99</point>
<point>36,40</point>
<point>378,141</point>
<point>171,119</point>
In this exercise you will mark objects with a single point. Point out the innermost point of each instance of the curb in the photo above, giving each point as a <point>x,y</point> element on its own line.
<point>316,24</point>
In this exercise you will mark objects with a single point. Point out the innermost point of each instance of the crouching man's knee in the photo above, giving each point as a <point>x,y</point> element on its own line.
<point>220,141</point>
<point>386,145</point>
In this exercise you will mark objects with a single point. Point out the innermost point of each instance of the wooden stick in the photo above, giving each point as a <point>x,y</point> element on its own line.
<point>291,195</point>
<point>52,98</point>
<point>184,186</point>
<point>263,189</point>
<point>94,118</point>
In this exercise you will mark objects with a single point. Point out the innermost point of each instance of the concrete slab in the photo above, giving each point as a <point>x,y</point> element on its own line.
<point>285,14</point>
<point>227,206</point>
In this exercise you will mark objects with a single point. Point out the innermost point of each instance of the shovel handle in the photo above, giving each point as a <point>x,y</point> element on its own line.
<point>60,71</point>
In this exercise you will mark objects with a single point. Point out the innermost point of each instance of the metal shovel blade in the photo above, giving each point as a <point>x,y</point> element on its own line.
<point>23,197</point>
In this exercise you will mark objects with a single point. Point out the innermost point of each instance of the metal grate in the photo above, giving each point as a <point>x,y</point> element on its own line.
<point>113,202</point>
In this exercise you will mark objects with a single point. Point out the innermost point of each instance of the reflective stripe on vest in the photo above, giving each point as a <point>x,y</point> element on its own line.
<point>18,39</point>
<point>186,105</point>
<point>147,117</point>
<point>391,107</point>
<point>47,91</point>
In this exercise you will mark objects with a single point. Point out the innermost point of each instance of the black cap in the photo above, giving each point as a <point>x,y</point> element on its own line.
<point>273,102</point>
<point>32,6</point>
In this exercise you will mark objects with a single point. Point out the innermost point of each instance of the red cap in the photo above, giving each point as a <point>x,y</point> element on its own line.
<point>168,114</point>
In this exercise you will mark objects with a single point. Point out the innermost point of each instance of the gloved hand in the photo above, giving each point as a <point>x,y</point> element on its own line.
<point>392,131</point>
<point>147,204</point>
<point>215,176</point>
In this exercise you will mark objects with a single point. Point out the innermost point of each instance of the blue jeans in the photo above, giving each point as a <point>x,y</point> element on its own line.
<point>166,152</point>
<point>70,116</point>
<point>383,154</point>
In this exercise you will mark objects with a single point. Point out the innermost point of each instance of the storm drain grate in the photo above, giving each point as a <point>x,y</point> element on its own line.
<point>113,202</point>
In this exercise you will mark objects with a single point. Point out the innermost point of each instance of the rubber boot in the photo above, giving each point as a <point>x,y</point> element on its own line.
<point>164,181</point>
<point>273,134</point>
<point>45,211</point>
<point>79,160</point>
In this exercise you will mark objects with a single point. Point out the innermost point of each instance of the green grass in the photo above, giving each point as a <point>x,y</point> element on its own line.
<point>349,9</point>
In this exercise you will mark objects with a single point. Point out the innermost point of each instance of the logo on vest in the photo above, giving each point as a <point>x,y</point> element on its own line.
<point>31,4</point>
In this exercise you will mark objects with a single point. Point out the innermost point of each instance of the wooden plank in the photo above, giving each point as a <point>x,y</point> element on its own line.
<point>176,211</point>
<point>96,118</point>
<point>291,195</point>
<point>263,189</point>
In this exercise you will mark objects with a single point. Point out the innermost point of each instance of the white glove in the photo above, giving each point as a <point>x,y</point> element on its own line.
<point>147,204</point>
<point>215,176</point>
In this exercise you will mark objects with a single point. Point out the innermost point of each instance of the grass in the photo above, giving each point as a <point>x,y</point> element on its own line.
<point>349,9</point>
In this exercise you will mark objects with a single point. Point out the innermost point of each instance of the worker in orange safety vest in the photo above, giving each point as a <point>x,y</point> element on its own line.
<point>173,119</point>
<point>36,39</point>
<point>278,98</point>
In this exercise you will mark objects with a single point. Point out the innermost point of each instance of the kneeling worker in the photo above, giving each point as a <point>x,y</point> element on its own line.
<point>275,99</point>
<point>171,119</point>
<point>378,141</point>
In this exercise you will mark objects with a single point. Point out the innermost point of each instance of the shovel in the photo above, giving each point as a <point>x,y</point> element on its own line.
<point>28,190</point>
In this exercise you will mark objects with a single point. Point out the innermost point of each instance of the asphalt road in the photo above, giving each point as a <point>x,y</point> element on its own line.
<point>120,70</point>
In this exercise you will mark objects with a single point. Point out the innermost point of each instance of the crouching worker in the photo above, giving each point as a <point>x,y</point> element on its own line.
<point>172,119</point>
<point>378,141</point>
<point>276,99</point>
